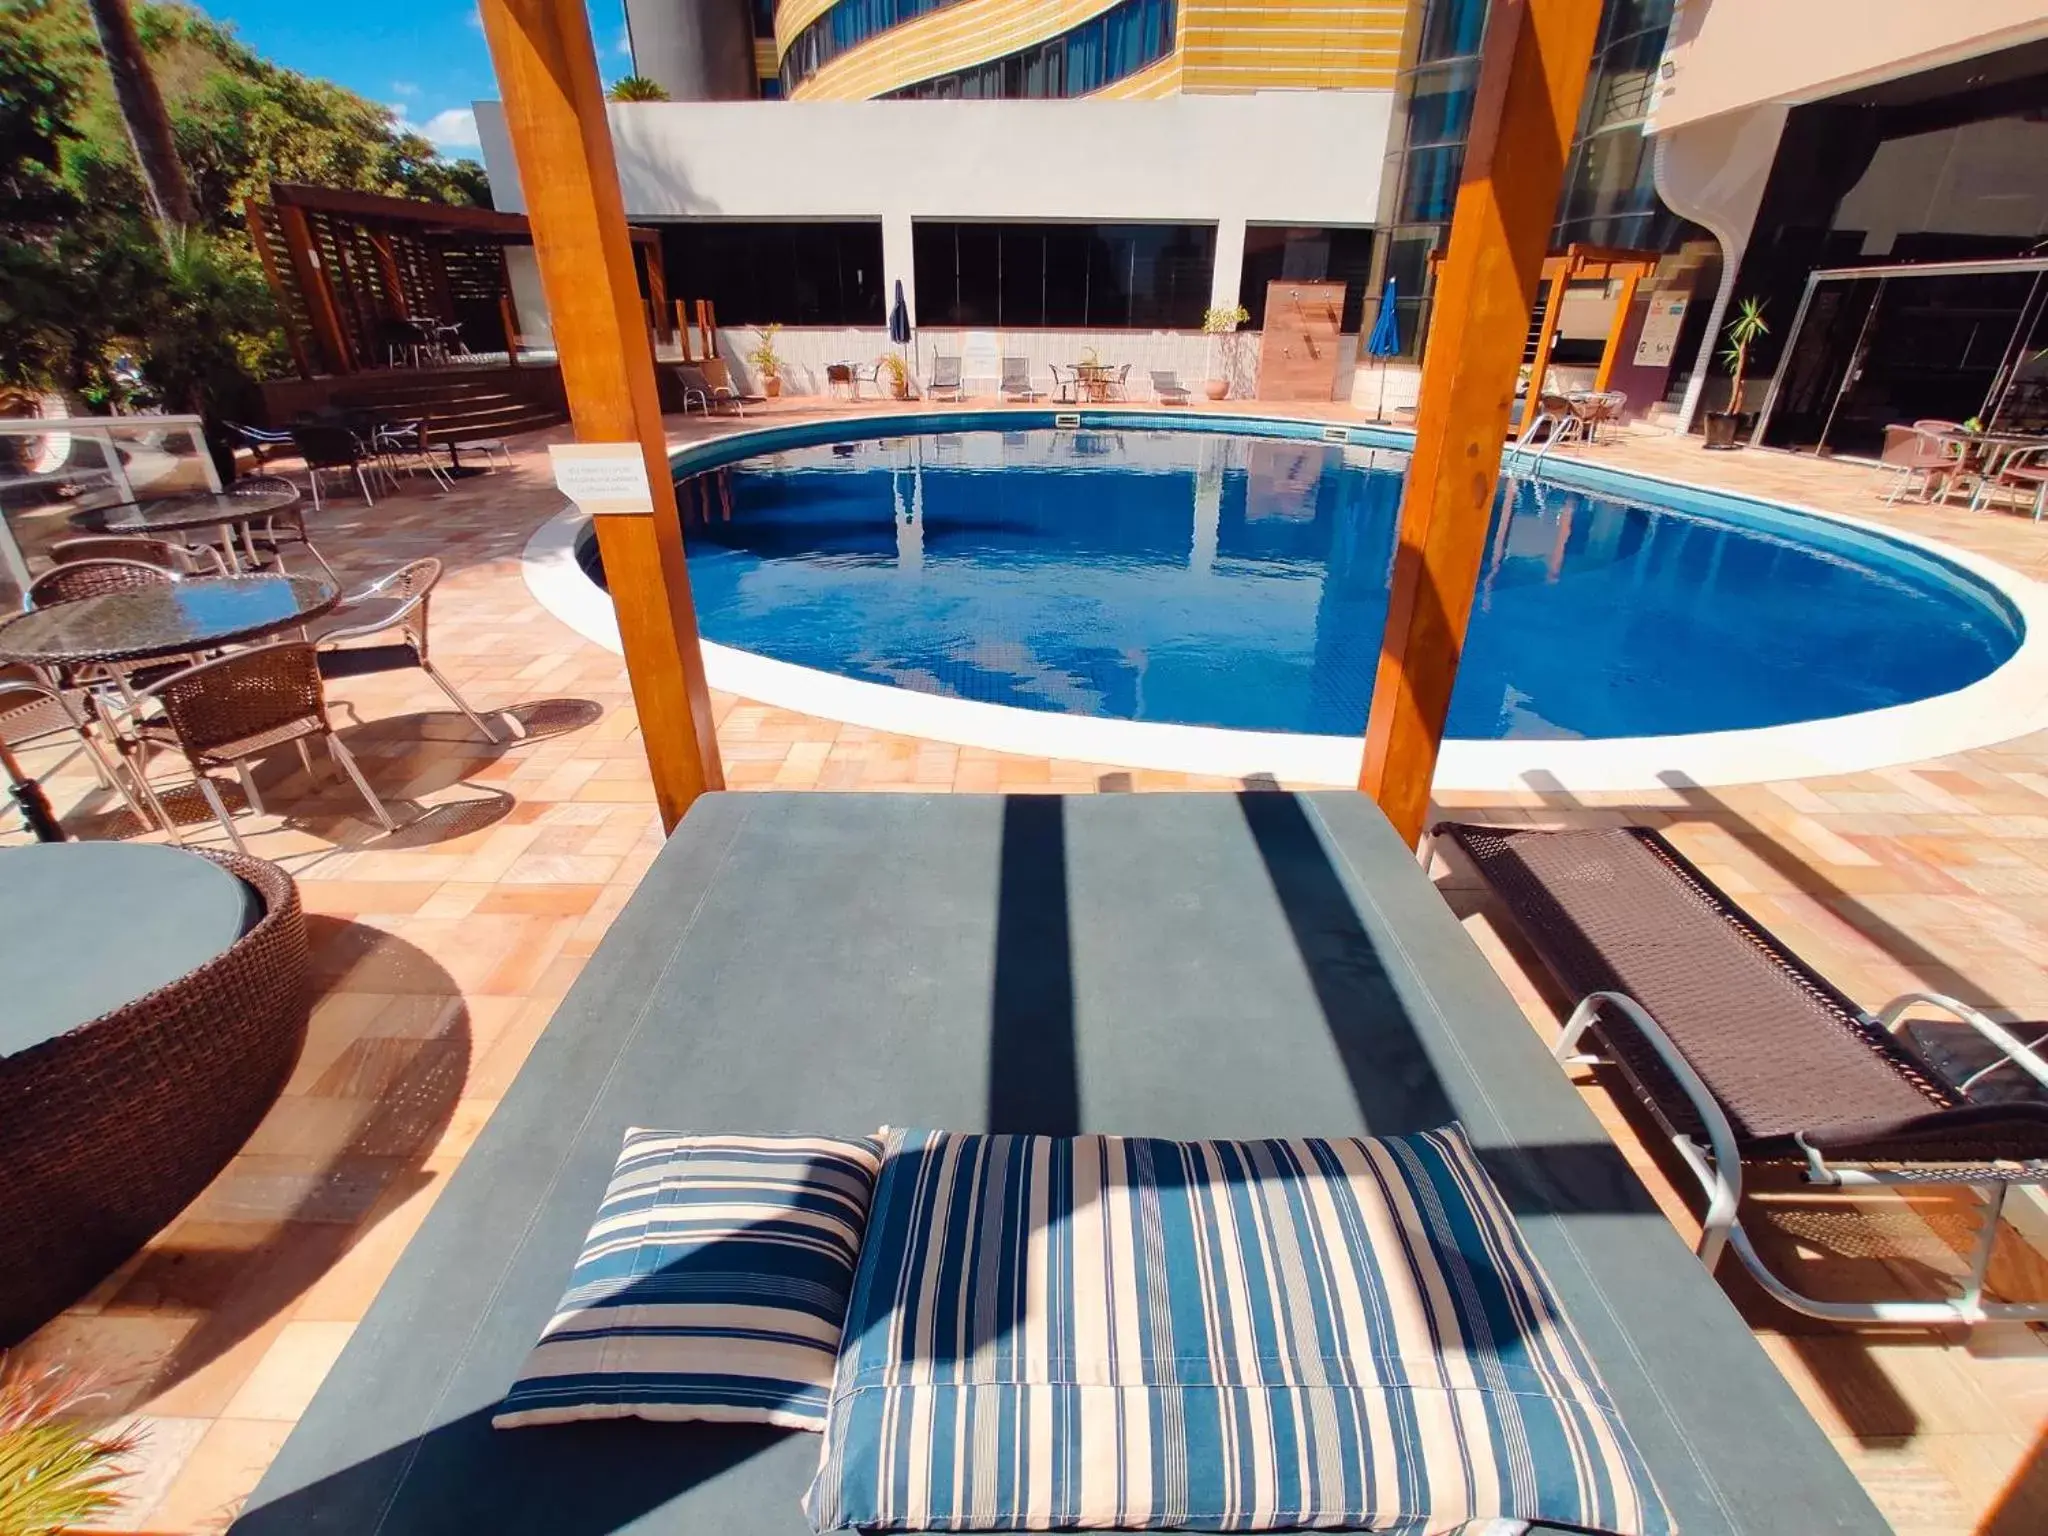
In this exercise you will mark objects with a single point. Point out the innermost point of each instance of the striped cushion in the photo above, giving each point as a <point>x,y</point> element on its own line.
<point>1111,1332</point>
<point>711,1286</point>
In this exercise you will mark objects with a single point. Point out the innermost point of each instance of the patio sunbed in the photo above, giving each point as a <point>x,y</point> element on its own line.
<point>1171,965</point>
<point>945,382</point>
<point>1745,1054</point>
<point>705,391</point>
<point>1017,380</point>
<point>1168,388</point>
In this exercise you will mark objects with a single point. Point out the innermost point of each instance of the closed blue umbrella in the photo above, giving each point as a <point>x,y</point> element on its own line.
<point>1385,340</point>
<point>899,318</point>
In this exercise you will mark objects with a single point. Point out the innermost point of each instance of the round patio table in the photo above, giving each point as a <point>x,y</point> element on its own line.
<point>167,620</point>
<point>223,511</point>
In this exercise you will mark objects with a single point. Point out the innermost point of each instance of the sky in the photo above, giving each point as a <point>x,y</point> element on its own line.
<point>424,59</point>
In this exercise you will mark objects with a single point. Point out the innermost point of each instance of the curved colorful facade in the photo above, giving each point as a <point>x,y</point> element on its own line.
<point>858,50</point>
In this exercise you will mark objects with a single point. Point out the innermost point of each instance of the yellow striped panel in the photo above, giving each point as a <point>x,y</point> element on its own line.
<point>1249,45</point>
<point>765,61</point>
<point>1148,84</point>
<point>972,32</point>
<point>792,16</point>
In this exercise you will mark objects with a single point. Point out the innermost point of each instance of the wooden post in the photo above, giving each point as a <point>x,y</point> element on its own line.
<point>509,318</point>
<point>314,288</point>
<point>683,330</point>
<point>1546,337</point>
<point>1532,71</point>
<point>1612,353</point>
<point>387,265</point>
<point>259,236</point>
<point>555,114</point>
<point>657,288</point>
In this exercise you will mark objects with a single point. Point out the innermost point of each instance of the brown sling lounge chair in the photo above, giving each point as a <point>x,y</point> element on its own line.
<point>1744,1054</point>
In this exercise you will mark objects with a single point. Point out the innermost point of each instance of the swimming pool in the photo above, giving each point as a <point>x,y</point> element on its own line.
<point>1211,594</point>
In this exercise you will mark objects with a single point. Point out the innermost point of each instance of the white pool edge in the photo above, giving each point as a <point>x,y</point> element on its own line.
<point>2011,702</point>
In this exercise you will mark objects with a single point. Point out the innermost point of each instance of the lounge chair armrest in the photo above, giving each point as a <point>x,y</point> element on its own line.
<point>2018,1053</point>
<point>1722,1177</point>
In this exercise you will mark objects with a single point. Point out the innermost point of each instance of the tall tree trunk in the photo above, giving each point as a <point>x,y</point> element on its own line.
<point>142,110</point>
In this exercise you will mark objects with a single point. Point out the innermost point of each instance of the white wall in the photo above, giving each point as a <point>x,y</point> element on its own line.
<point>1724,55</point>
<point>1288,157</point>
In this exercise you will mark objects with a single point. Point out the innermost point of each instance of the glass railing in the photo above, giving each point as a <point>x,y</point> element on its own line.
<point>52,468</point>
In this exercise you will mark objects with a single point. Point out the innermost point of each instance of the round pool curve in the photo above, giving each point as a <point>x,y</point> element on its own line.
<point>1198,578</point>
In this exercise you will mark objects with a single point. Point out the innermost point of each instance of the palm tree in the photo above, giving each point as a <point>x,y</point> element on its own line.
<point>142,111</point>
<point>638,88</point>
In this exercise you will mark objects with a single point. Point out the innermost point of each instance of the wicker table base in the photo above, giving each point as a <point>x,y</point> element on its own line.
<point>108,1131</point>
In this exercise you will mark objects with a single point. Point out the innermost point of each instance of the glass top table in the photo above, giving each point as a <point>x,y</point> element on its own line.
<point>198,509</point>
<point>166,620</point>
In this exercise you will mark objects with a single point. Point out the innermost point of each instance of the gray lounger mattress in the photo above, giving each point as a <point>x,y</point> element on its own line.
<point>1179,966</point>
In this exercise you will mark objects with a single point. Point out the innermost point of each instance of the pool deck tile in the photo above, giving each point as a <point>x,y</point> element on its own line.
<point>441,954</point>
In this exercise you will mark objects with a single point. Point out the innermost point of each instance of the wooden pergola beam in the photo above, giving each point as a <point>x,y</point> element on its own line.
<point>259,236</point>
<point>1532,71</point>
<point>555,114</point>
<point>314,288</point>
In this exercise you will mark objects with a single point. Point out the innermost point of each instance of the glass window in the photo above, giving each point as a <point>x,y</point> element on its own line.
<point>1100,51</point>
<point>788,273</point>
<point>1429,184</point>
<point>1070,276</point>
<point>1440,103</point>
<point>1273,253</point>
<point>1452,29</point>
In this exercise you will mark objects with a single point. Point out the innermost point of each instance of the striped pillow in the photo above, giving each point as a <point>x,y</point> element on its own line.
<point>711,1286</point>
<point>1121,1333</point>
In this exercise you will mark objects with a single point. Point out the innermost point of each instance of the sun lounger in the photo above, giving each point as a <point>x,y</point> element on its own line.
<point>945,382</point>
<point>1169,389</point>
<point>1017,380</point>
<point>1745,1054</point>
<point>1182,966</point>
<point>705,391</point>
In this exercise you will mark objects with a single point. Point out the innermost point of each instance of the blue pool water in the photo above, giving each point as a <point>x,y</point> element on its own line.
<point>1202,579</point>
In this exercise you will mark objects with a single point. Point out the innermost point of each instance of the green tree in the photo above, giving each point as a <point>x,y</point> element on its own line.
<point>142,114</point>
<point>82,274</point>
<point>638,88</point>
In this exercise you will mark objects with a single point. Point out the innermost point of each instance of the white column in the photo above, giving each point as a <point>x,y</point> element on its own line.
<point>1714,173</point>
<point>897,263</point>
<point>1229,272</point>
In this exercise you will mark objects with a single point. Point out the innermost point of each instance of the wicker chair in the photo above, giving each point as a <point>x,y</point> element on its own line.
<point>394,602</point>
<point>287,525</point>
<point>110,1130</point>
<point>33,711</point>
<point>179,559</point>
<point>223,712</point>
<point>93,578</point>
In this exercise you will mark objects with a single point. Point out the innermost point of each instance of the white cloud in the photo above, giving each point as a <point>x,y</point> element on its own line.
<point>624,46</point>
<point>404,88</point>
<point>476,18</point>
<point>452,130</point>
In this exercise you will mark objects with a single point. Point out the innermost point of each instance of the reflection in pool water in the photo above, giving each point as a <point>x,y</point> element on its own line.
<point>1201,579</point>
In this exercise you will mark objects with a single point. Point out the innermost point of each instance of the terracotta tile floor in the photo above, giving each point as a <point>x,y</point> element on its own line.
<point>441,953</point>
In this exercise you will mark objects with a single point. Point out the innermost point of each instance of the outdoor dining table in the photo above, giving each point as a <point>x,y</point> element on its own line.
<point>182,514</point>
<point>142,624</point>
<point>1095,379</point>
<point>1984,456</point>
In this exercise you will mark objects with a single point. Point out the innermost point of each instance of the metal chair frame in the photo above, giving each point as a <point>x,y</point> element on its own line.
<point>416,581</point>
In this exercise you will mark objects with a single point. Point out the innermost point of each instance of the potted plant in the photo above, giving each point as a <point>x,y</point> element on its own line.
<point>899,375</point>
<point>1221,320</point>
<point>767,362</point>
<point>1742,333</point>
<point>56,1472</point>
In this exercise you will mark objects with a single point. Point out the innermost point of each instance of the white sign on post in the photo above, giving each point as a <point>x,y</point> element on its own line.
<point>1658,339</point>
<point>604,479</point>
